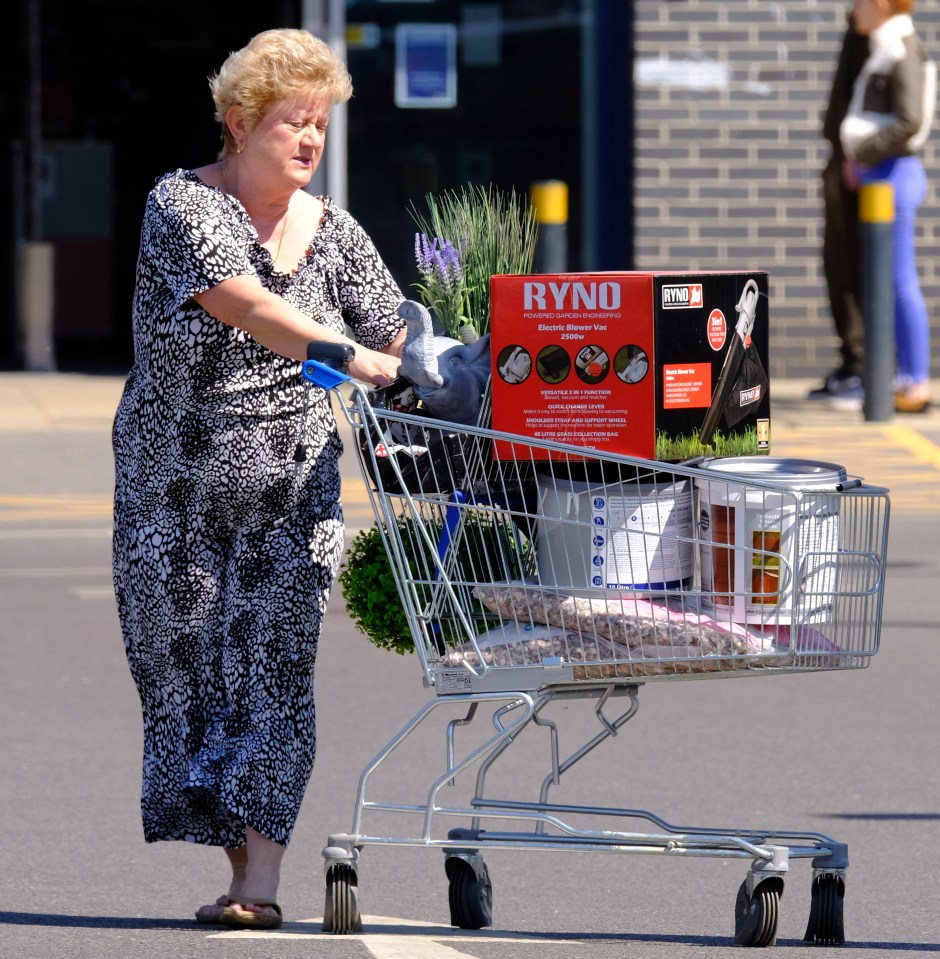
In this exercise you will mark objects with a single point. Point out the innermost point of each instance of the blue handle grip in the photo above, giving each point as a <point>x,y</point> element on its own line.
<point>323,376</point>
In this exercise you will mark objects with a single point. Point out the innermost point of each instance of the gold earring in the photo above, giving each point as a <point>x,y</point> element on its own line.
<point>239,148</point>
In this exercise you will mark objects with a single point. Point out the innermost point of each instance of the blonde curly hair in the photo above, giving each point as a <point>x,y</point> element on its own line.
<point>274,65</point>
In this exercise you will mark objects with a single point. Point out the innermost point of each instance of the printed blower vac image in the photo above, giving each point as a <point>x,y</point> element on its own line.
<point>743,381</point>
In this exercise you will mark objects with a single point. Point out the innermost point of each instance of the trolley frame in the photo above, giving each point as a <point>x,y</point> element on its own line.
<point>824,613</point>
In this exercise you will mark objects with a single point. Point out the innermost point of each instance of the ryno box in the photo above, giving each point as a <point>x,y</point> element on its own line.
<point>661,366</point>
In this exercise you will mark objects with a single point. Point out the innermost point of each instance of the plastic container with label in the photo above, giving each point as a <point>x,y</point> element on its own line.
<point>766,555</point>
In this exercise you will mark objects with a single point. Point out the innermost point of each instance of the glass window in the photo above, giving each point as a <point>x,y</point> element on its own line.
<point>516,117</point>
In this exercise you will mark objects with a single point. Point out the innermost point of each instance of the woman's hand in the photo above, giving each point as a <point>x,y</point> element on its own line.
<point>367,365</point>
<point>395,347</point>
<point>850,175</point>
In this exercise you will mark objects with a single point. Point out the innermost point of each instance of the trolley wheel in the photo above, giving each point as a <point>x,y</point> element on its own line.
<point>470,893</point>
<point>341,910</point>
<point>756,916</point>
<point>825,912</point>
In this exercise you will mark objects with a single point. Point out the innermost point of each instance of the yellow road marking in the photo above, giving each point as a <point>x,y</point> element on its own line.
<point>19,509</point>
<point>894,456</point>
<point>916,444</point>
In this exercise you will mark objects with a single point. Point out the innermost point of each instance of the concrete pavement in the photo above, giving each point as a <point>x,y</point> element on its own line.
<point>849,754</point>
<point>37,401</point>
<point>902,454</point>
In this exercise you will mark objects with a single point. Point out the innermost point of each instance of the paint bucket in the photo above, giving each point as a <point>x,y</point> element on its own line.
<point>769,555</point>
<point>620,536</point>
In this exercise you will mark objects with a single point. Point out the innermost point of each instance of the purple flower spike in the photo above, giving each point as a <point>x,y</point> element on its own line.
<point>424,253</point>
<point>438,260</point>
<point>442,287</point>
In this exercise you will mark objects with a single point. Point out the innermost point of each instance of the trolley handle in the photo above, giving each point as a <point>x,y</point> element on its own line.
<point>327,363</point>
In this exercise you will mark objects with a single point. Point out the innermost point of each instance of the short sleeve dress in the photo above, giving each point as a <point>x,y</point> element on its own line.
<point>228,526</point>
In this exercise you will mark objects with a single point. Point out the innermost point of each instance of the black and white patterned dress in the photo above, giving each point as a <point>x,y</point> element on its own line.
<point>228,527</point>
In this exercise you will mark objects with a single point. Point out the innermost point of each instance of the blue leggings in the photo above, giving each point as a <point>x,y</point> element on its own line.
<point>911,328</point>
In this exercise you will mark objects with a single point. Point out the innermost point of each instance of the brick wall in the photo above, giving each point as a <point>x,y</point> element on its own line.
<point>729,101</point>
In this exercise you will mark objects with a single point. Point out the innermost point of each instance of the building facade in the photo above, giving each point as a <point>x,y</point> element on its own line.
<point>729,100</point>
<point>687,131</point>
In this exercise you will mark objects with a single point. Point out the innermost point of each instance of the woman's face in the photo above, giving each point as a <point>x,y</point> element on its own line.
<point>287,143</point>
<point>868,15</point>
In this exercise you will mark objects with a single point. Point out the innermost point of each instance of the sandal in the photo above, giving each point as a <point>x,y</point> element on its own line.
<point>211,915</point>
<point>237,916</point>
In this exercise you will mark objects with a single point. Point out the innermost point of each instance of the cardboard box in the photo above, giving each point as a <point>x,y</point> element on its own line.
<point>661,366</point>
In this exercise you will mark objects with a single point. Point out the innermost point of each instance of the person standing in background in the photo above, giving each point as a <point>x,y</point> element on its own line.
<point>884,130</point>
<point>843,386</point>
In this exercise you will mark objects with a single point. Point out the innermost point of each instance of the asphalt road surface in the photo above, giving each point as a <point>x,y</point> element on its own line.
<point>852,755</point>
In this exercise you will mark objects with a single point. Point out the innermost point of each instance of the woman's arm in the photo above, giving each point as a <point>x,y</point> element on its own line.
<point>394,348</point>
<point>243,302</point>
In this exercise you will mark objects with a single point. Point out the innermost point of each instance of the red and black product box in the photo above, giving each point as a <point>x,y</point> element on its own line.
<point>661,366</point>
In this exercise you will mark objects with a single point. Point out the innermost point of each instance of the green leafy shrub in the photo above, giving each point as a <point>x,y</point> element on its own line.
<point>371,594</point>
<point>485,551</point>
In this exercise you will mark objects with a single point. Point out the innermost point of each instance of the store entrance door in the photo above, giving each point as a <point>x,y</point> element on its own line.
<point>449,94</point>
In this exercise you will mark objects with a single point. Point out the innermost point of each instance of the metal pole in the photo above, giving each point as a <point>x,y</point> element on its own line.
<point>35,259</point>
<point>327,19</point>
<point>33,153</point>
<point>590,189</point>
<point>549,199</point>
<point>35,266</point>
<point>336,170</point>
<point>876,225</point>
<point>612,60</point>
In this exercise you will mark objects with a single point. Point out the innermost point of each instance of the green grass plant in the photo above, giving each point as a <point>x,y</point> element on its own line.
<point>675,449</point>
<point>491,231</point>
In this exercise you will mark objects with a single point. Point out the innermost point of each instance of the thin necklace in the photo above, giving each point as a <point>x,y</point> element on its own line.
<point>280,239</point>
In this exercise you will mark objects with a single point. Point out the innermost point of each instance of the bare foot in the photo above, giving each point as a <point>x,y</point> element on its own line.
<point>251,901</point>
<point>211,914</point>
<point>262,870</point>
<point>238,860</point>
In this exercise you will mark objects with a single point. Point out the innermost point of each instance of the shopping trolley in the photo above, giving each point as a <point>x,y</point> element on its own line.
<point>534,573</point>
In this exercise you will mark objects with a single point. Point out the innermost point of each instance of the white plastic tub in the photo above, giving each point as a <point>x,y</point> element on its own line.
<point>769,557</point>
<point>624,536</point>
